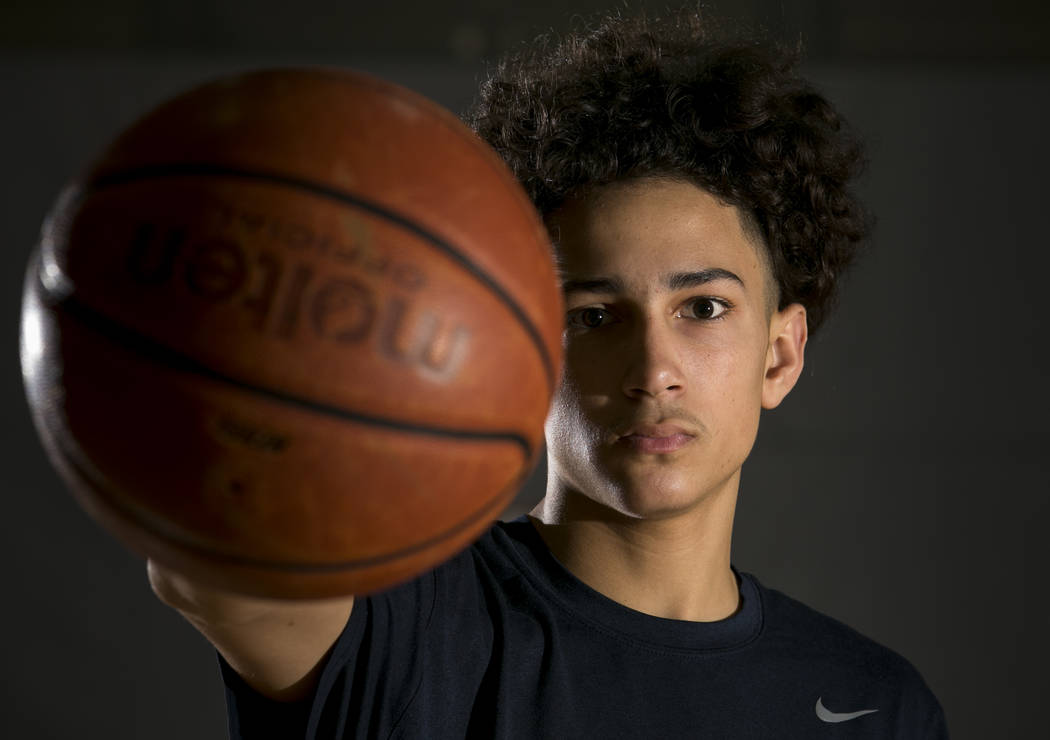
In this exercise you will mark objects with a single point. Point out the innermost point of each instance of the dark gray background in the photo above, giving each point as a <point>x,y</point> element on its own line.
<point>901,488</point>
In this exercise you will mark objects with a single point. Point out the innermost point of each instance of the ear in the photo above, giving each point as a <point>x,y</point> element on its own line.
<point>786,354</point>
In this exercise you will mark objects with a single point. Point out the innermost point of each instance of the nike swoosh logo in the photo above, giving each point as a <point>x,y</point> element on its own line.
<point>827,715</point>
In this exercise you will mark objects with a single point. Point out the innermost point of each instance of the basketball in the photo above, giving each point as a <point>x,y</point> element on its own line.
<point>294,334</point>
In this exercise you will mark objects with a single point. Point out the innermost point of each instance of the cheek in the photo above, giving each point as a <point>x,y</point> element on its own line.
<point>567,425</point>
<point>729,382</point>
<point>588,367</point>
<point>560,417</point>
<point>571,437</point>
<point>718,360</point>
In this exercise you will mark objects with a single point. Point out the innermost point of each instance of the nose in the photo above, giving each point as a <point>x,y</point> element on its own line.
<point>653,367</point>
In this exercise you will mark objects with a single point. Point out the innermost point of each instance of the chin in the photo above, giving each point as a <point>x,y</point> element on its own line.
<point>659,495</point>
<point>655,502</point>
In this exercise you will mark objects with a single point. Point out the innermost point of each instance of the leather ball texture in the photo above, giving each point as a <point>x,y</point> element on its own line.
<point>294,334</point>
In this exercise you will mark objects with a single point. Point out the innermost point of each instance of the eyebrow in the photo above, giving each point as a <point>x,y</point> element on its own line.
<point>674,281</point>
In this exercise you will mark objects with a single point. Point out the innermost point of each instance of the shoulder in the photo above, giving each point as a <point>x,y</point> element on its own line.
<point>459,589</point>
<point>818,636</point>
<point>841,664</point>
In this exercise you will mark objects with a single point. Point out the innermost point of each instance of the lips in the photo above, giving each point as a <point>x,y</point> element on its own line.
<point>656,438</point>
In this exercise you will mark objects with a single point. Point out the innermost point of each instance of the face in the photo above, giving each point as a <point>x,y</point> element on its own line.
<point>672,348</point>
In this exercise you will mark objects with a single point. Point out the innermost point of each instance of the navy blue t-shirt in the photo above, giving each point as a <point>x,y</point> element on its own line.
<point>504,642</point>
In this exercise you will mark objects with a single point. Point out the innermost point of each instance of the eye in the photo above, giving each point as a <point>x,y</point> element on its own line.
<point>704,308</point>
<point>589,317</point>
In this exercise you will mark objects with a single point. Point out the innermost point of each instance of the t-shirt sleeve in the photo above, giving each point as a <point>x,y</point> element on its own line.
<point>373,675</point>
<point>920,715</point>
<point>933,726</point>
<point>938,727</point>
<point>366,679</point>
<point>917,714</point>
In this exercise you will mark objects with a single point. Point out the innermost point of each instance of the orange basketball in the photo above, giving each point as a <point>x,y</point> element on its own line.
<point>294,334</point>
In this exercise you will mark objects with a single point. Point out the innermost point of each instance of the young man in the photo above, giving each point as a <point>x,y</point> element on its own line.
<point>697,195</point>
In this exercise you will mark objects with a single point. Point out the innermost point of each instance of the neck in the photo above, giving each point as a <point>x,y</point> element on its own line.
<point>676,567</point>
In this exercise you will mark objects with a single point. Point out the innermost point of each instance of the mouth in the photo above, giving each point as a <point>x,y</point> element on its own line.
<point>658,439</point>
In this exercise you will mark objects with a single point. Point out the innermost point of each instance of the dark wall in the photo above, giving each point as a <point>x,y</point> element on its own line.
<point>901,488</point>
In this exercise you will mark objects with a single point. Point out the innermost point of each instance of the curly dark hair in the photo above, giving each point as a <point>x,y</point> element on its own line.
<point>675,97</point>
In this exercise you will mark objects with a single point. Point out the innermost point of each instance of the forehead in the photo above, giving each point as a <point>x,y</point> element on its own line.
<point>641,229</point>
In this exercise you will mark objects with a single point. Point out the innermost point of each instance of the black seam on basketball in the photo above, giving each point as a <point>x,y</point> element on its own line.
<point>180,170</point>
<point>172,535</point>
<point>171,358</point>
